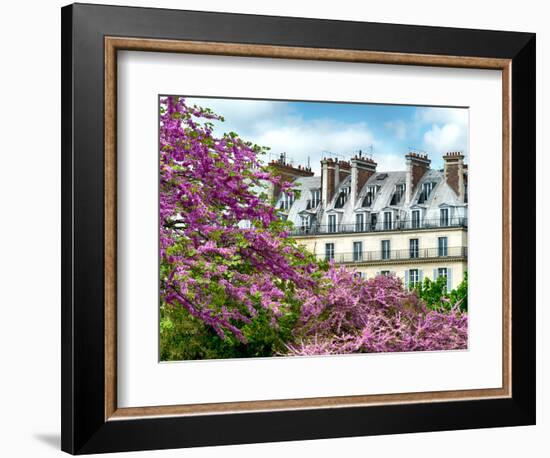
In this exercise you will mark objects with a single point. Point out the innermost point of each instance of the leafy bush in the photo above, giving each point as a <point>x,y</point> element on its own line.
<point>184,337</point>
<point>436,296</point>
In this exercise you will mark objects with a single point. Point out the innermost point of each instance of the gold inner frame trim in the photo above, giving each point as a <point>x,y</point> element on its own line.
<point>114,44</point>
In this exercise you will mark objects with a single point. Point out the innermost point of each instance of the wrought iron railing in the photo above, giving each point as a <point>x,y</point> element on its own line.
<point>395,255</point>
<point>380,226</point>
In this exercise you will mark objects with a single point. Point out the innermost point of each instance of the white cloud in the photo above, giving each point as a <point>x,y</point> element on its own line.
<point>390,162</point>
<point>435,115</point>
<point>447,131</point>
<point>242,113</point>
<point>314,138</point>
<point>398,127</point>
<point>449,137</point>
<point>277,126</point>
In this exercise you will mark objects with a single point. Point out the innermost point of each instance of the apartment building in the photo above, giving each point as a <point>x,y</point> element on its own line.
<point>411,223</point>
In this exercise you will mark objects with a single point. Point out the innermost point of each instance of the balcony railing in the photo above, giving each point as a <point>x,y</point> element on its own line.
<point>397,255</point>
<point>380,226</point>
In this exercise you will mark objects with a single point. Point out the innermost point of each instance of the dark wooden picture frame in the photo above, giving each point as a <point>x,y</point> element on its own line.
<point>91,37</point>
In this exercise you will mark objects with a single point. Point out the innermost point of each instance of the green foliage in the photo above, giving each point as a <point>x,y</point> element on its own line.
<point>460,294</point>
<point>431,292</point>
<point>436,296</point>
<point>184,337</point>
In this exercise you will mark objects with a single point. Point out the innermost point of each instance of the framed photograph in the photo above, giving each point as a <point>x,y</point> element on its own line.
<point>284,228</point>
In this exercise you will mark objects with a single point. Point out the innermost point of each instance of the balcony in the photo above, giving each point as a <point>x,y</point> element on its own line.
<point>459,252</point>
<point>381,226</point>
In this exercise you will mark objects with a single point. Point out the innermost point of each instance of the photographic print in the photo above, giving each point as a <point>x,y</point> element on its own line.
<point>302,228</point>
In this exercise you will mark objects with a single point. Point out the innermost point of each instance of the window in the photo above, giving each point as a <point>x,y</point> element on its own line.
<point>414,278</point>
<point>442,249</point>
<point>367,202</point>
<point>373,221</point>
<point>387,221</point>
<point>385,249</point>
<point>359,222</point>
<point>400,190</point>
<point>357,251</point>
<point>287,201</point>
<point>332,223</point>
<point>315,197</point>
<point>426,191</point>
<point>427,188</point>
<point>444,272</point>
<point>415,219</point>
<point>444,217</point>
<point>369,197</point>
<point>329,251</point>
<point>398,194</point>
<point>305,223</point>
<point>342,197</point>
<point>385,273</point>
<point>413,248</point>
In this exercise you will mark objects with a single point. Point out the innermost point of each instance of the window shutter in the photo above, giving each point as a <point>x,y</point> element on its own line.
<point>407,279</point>
<point>420,275</point>
<point>435,275</point>
<point>449,278</point>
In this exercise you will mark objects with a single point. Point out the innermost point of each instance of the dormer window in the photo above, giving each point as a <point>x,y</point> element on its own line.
<point>342,197</point>
<point>427,188</point>
<point>415,219</point>
<point>315,197</point>
<point>359,222</point>
<point>398,194</point>
<point>332,223</point>
<point>305,223</point>
<point>371,194</point>
<point>286,201</point>
<point>388,221</point>
<point>444,217</point>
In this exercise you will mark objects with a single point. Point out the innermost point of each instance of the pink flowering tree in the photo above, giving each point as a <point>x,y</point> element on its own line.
<point>349,314</point>
<point>226,258</point>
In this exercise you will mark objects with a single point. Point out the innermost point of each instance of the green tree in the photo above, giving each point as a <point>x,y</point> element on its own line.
<point>436,296</point>
<point>460,294</point>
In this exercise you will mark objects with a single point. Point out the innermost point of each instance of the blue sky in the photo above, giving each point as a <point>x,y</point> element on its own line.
<point>315,129</point>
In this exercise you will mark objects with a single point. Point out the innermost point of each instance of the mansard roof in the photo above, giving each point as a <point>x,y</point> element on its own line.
<point>385,182</point>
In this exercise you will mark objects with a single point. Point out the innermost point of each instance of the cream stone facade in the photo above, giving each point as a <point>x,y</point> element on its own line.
<point>412,223</point>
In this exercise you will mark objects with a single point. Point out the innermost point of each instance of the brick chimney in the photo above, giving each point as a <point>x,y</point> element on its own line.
<point>417,166</point>
<point>454,172</point>
<point>328,175</point>
<point>281,167</point>
<point>343,168</point>
<point>362,168</point>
